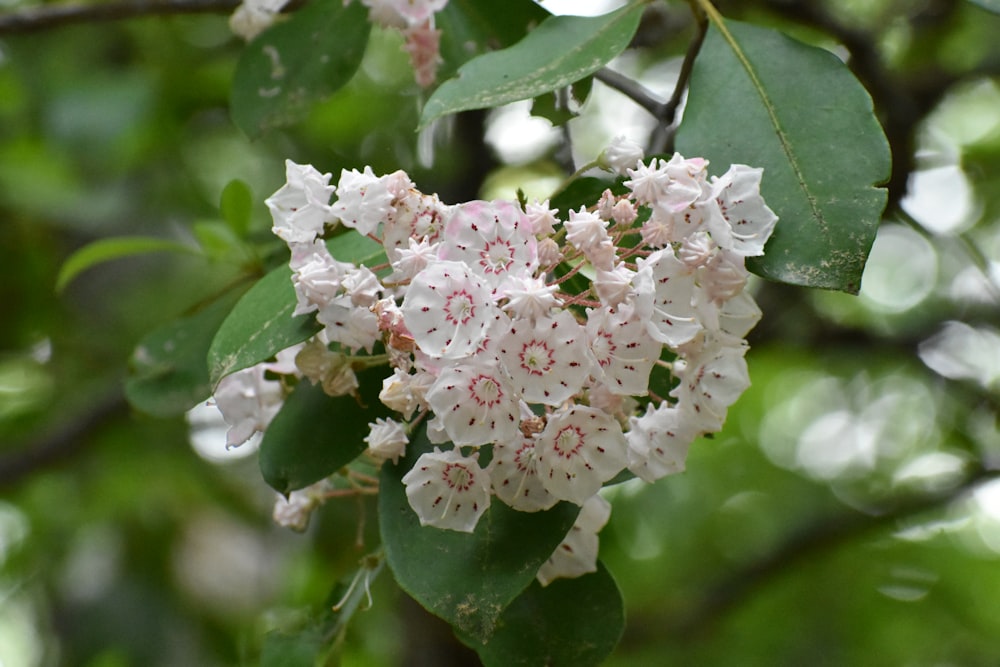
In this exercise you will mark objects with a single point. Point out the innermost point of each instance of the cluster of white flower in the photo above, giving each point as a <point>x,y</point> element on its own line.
<point>487,341</point>
<point>413,18</point>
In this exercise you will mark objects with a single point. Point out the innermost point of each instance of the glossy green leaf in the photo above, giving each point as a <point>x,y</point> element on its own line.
<point>259,326</point>
<point>219,241</point>
<point>293,649</point>
<point>563,49</point>
<point>569,623</point>
<point>236,206</point>
<point>167,372</point>
<point>466,579</point>
<point>760,98</point>
<point>296,63</point>
<point>106,250</point>
<point>472,27</point>
<point>314,435</point>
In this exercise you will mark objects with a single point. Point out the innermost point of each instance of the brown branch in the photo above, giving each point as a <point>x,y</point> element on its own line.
<point>48,17</point>
<point>61,443</point>
<point>818,538</point>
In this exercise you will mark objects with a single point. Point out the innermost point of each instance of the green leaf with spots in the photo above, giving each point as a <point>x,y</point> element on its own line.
<point>569,623</point>
<point>760,98</point>
<point>466,579</point>
<point>296,63</point>
<point>560,51</point>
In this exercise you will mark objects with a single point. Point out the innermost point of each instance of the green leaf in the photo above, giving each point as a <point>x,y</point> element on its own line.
<point>236,206</point>
<point>561,106</point>
<point>314,435</point>
<point>219,241</point>
<point>563,49</point>
<point>760,98</point>
<point>472,27</point>
<point>988,5</point>
<point>297,63</point>
<point>108,249</point>
<point>466,579</point>
<point>167,372</point>
<point>260,326</point>
<point>293,649</point>
<point>569,623</point>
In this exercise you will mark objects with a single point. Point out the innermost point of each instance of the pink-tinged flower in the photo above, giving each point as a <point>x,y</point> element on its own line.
<point>547,362</point>
<point>353,327</point>
<point>615,286</point>
<point>449,310</point>
<point>624,212</point>
<point>723,277</point>
<point>363,200</point>
<point>542,218</point>
<point>362,286</point>
<point>580,449</point>
<point>414,258</point>
<point>423,43</point>
<point>621,155</point>
<point>317,280</point>
<point>386,440</point>
<point>493,238</point>
<point>697,250</point>
<point>624,350</point>
<point>672,316</point>
<point>749,219</point>
<point>648,182</point>
<point>529,298</point>
<point>300,208</point>
<point>711,381</point>
<point>294,511</point>
<point>586,230</point>
<point>549,253</point>
<point>476,403</point>
<point>248,403</point>
<point>577,554</point>
<point>414,216</point>
<point>514,476</point>
<point>658,230</point>
<point>658,442</point>
<point>397,393</point>
<point>448,490</point>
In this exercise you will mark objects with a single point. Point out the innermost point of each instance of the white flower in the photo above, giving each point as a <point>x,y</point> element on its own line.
<point>254,16</point>
<point>672,317</point>
<point>542,218</point>
<point>294,511</point>
<point>579,450</point>
<point>586,230</point>
<point>476,403</point>
<point>624,350</point>
<point>448,309</point>
<point>514,475</point>
<point>547,362</point>
<point>710,382</point>
<point>248,403</point>
<point>750,220</point>
<point>658,442</point>
<point>621,155</point>
<point>363,200</point>
<point>397,394</point>
<point>577,554</point>
<point>386,439</point>
<point>493,238</point>
<point>300,208</point>
<point>529,298</point>
<point>448,490</point>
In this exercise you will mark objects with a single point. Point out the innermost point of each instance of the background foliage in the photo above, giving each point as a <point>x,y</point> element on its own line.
<point>844,516</point>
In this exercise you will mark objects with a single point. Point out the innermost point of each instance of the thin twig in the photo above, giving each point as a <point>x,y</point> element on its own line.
<point>47,17</point>
<point>633,90</point>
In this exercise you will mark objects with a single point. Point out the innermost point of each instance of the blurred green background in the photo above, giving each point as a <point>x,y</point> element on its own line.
<point>848,514</point>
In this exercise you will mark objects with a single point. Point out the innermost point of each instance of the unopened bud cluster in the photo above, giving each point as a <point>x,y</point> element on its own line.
<point>534,334</point>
